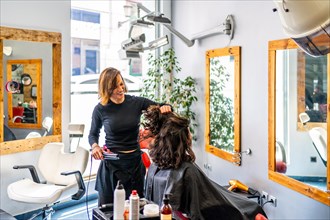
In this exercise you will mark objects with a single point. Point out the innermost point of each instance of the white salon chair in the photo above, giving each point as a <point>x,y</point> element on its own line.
<point>76,131</point>
<point>281,166</point>
<point>57,168</point>
<point>318,136</point>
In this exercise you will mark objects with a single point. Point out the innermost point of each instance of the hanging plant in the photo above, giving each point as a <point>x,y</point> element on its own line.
<point>161,85</point>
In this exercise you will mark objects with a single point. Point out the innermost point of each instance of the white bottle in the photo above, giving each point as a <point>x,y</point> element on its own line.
<point>119,202</point>
<point>134,206</point>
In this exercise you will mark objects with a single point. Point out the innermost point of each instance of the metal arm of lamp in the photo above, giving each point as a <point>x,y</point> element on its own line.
<point>228,29</point>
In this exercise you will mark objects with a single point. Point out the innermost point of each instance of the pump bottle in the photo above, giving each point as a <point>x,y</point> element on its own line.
<point>166,209</point>
<point>119,202</point>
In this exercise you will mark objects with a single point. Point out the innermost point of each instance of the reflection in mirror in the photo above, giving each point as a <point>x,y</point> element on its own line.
<point>298,152</point>
<point>312,92</point>
<point>12,87</point>
<point>24,111</point>
<point>26,79</point>
<point>29,44</point>
<point>223,103</point>
<point>34,91</point>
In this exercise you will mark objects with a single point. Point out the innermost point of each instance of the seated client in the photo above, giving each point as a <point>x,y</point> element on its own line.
<point>174,172</point>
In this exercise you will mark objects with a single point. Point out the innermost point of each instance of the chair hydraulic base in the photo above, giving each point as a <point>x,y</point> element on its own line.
<point>46,213</point>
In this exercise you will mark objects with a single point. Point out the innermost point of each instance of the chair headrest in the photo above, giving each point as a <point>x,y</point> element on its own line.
<point>47,123</point>
<point>304,118</point>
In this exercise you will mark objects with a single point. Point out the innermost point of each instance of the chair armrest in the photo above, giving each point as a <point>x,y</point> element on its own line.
<point>81,184</point>
<point>33,172</point>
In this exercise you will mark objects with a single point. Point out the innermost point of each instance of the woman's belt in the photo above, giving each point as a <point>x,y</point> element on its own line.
<point>127,156</point>
<point>121,154</point>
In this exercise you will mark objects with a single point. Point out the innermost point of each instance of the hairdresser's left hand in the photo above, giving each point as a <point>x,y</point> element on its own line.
<point>165,109</point>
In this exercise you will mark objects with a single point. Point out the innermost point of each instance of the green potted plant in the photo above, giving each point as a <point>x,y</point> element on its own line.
<point>161,85</point>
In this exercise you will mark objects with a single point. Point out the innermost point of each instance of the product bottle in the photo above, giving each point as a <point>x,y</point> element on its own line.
<point>134,206</point>
<point>119,201</point>
<point>166,210</point>
<point>126,212</point>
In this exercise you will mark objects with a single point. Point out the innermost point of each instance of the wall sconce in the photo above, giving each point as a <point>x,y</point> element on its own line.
<point>227,27</point>
<point>126,55</point>
<point>158,43</point>
<point>7,51</point>
<point>137,21</point>
<point>142,23</point>
<point>128,10</point>
<point>132,47</point>
<point>134,43</point>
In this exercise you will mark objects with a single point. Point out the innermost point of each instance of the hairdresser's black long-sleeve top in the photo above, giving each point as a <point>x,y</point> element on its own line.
<point>120,121</point>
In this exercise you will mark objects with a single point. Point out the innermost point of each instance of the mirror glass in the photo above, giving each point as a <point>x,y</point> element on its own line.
<point>24,110</point>
<point>31,78</point>
<point>26,79</point>
<point>298,151</point>
<point>312,92</point>
<point>223,103</point>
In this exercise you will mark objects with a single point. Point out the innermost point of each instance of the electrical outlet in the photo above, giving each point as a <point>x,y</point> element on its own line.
<point>272,200</point>
<point>313,159</point>
<point>264,196</point>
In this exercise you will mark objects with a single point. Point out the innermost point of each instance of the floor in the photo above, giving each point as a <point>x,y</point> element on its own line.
<point>73,209</point>
<point>317,182</point>
<point>81,210</point>
<point>78,211</point>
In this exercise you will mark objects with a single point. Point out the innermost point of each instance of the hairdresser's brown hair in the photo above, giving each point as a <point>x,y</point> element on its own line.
<point>107,83</point>
<point>173,143</point>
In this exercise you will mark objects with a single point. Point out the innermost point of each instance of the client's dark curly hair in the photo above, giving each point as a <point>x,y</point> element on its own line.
<point>172,138</point>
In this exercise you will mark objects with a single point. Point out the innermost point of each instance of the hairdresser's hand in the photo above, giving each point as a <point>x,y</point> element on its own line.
<point>165,109</point>
<point>97,152</point>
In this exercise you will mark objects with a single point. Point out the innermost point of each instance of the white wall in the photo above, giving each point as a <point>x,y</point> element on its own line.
<point>39,15</point>
<point>255,25</point>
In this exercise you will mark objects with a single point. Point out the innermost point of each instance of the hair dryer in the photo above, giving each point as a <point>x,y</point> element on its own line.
<point>235,184</point>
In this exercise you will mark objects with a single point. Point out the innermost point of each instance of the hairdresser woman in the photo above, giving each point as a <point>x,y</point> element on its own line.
<point>119,114</point>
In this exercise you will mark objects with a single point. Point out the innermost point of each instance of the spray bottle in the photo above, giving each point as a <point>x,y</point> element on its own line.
<point>119,202</point>
<point>134,206</point>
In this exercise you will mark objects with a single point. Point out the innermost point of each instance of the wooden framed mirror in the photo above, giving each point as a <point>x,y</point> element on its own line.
<point>24,110</point>
<point>33,37</point>
<point>223,85</point>
<point>297,159</point>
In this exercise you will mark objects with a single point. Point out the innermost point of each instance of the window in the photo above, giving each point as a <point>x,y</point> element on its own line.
<point>86,16</point>
<point>96,38</point>
<point>85,56</point>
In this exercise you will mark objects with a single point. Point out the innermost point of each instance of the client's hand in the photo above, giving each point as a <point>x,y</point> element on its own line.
<point>260,217</point>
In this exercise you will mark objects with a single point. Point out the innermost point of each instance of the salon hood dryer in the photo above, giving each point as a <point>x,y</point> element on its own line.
<point>307,23</point>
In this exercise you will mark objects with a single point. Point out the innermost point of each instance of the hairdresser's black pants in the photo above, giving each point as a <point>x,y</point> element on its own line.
<point>129,169</point>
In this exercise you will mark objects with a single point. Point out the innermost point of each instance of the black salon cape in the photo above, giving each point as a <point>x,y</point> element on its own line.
<point>193,193</point>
